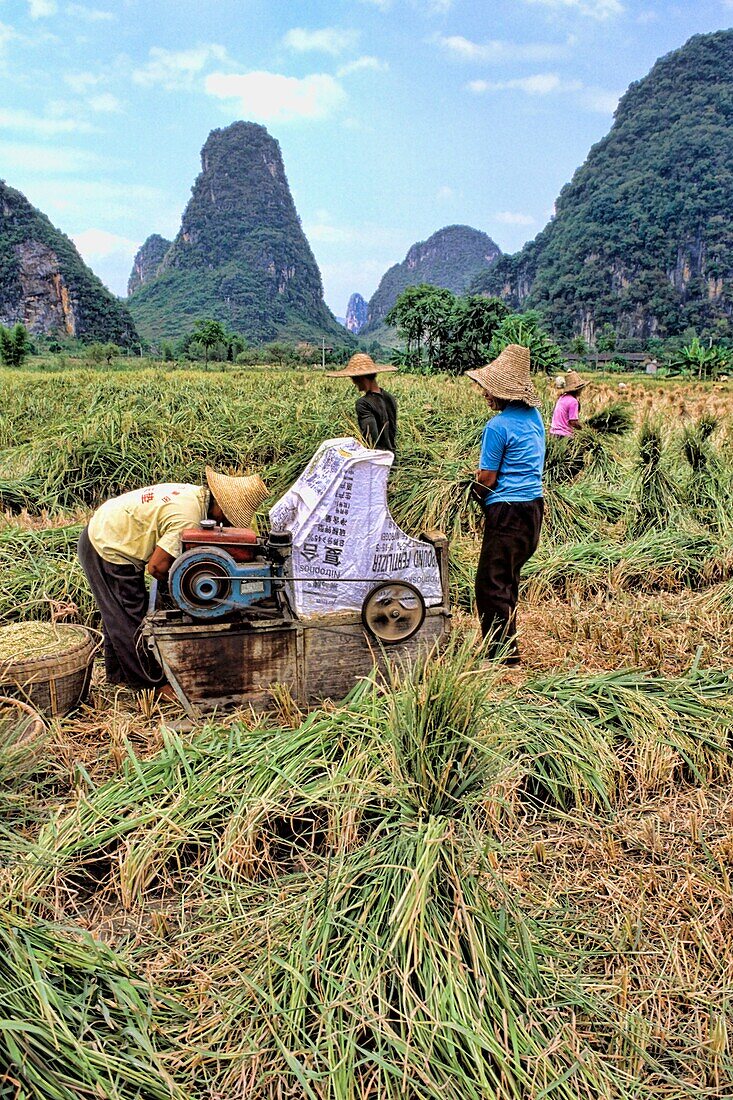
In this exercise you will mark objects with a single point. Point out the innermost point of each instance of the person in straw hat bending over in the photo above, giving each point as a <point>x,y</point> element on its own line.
<point>510,476</point>
<point>142,530</point>
<point>566,414</point>
<point>376,410</point>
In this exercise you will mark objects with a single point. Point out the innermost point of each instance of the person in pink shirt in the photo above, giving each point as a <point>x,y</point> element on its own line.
<point>566,414</point>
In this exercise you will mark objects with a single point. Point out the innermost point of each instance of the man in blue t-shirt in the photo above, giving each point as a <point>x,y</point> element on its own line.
<point>510,472</point>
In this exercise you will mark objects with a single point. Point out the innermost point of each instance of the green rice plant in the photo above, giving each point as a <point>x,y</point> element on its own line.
<point>708,489</point>
<point>580,510</point>
<point>680,556</point>
<point>340,932</point>
<point>79,438</point>
<point>692,715</point>
<point>229,803</point>
<point>75,1023</point>
<point>583,567</point>
<point>39,571</point>
<point>22,767</point>
<point>655,490</point>
<point>564,459</point>
<point>391,971</point>
<point>616,418</point>
<point>462,563</point>
<point>435,496</point>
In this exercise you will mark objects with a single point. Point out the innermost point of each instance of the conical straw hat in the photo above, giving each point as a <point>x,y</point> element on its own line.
<point>238,497</point>
<point>573,382</point>
<point>359,365</point>
<point>508,376</point>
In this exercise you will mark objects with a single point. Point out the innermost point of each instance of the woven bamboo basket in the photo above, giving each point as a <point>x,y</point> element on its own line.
<point>27,720</point>
<point>54,685</point>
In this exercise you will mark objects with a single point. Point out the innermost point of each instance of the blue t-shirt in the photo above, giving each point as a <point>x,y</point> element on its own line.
<point>514,444</point>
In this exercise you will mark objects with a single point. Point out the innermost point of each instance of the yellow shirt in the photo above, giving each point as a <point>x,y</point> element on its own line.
<point>126,529</point>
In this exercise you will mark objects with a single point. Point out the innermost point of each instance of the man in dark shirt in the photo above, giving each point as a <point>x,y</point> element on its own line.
<point>376,410</point>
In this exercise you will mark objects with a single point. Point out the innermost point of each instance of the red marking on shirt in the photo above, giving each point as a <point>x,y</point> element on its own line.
<point>167,500</point>
<point>146,498</point>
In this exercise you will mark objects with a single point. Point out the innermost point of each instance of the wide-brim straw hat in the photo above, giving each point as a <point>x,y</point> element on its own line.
<point>573,382</point>
<point>359,365</point>
<point>508,376</point>
<point>238,497</point>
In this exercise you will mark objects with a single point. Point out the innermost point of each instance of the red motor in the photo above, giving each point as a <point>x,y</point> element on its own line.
<point>239,542</point>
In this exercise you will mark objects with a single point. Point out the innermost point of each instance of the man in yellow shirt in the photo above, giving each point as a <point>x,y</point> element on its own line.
<point>141,531</point>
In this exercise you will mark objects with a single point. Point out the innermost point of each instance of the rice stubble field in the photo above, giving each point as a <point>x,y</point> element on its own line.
<point>460,881</point>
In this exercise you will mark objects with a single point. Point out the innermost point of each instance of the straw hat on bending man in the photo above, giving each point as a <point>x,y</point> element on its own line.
<point>510,474</point>
<point>376,410</point>
<point>141,531</point>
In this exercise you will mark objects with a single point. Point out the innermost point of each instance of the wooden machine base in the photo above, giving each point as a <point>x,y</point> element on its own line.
<point>217,666</point>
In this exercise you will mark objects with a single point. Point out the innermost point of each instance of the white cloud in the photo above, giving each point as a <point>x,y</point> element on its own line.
<point>104,201</point>
<point>105,103</point>
<point>28,123</point>
<point>91,15</point>
<point>445,194</point>
<point>599,100</point>
<point>109,255</point>
<point>328,234</point>
<point>509,217</point>
<point>82,82</point>
<point>538,84</point>
<point>331,40</point>
<point>46,160</point>
<point>271,97</point>
<point>595,9</point>
<point>7,34</point>
<point>499,52</point>
<point>428,7</point>
<point>322,229</point>
<point>39,9</point>
<point>176,70</point>
<point>96,243</point>
<point>363,64</point>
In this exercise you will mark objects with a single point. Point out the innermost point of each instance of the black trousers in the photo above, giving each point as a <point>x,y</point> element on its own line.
<point>122,599</point>
<point>511,535</point>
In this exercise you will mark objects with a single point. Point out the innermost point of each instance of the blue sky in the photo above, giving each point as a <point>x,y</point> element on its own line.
<point>395,117</point>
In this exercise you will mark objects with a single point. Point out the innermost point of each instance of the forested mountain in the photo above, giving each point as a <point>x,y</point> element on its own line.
<point>146,264</point>
<point>241,256</point>
<point>451,258</point>
<point>642,238</point>
<point>45,284</point>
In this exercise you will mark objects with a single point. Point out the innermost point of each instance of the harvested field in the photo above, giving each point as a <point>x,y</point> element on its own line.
<point>459,882</point>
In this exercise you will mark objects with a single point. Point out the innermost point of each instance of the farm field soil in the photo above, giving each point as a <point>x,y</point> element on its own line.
<point>465,882</point>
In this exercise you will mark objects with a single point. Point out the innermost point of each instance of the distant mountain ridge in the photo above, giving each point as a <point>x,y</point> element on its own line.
<point>356,314</point>
<point>147,262</point>
<point>45,284</point>
<point>642,238</point>
<point>240,256</point>
<point>450,258</point>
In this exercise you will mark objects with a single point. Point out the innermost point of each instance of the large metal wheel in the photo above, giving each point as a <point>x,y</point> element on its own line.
<point>201,582</point>
<point>393,612</point>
